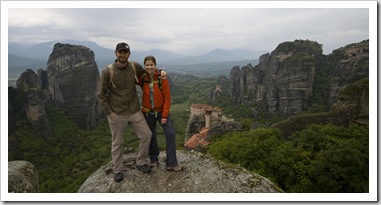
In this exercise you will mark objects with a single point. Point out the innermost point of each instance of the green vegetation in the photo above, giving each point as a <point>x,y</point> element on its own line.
<point>190,89</point>
<point>302,57</point>
<point>363,43</point>
<point>357,89</point>
<point>318,159</point>
<point>67,158</point>
<point>301,45</point>
<point>318,102</point>
<point>297,154</point>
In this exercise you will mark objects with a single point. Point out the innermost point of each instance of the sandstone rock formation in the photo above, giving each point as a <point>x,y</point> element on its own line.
<point>221,80</point>
<point>34,102</point>
<point>353,101</point>
<point>73,78</point>
<point>22,177</point>
<point>11,112</point>
<point>201,174</point>
<point>282,81</point>
<point>351,106</point>
<point>350,64</point>
<point>71,81</point>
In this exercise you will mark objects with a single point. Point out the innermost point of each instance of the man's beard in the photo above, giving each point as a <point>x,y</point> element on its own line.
<point>122,60</point>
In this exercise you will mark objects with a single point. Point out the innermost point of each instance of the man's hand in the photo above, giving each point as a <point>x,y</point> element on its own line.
<point>112,115</point>
<point>163,74</point>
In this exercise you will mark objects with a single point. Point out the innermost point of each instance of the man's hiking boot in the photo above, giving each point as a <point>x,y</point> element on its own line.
<point>177,168</point>
<point>118,177</point>
<point>154,164</point>
<point>144,168</point>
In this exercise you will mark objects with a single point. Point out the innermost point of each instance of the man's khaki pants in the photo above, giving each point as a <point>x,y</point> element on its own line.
<point>118,125</point>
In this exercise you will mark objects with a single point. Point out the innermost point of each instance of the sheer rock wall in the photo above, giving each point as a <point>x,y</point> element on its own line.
<point>73,78</point>
<point>283,81</point>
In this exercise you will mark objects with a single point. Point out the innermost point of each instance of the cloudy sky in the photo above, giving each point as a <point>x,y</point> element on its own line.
<point>191,31</point>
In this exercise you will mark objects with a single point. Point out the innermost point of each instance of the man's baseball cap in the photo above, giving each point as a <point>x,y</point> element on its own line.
<point>122,46</point>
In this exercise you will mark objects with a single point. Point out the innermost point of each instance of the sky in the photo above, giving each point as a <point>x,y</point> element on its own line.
<point>192,31</point>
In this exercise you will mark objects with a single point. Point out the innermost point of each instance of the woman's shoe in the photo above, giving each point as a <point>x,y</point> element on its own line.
<point>177,168</point>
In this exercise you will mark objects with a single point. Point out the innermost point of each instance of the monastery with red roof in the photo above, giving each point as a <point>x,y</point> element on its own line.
<point>213,116</point>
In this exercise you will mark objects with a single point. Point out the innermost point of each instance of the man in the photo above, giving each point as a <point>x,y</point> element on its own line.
<point>119,100</point>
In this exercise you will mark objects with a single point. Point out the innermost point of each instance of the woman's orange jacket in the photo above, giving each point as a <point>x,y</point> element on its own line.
<point>161,97</point>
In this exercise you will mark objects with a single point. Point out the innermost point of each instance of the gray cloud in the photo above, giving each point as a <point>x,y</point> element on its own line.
<point>191,31</point>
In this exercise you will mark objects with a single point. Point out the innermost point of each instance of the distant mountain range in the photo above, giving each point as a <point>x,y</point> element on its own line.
<point>21,57</point>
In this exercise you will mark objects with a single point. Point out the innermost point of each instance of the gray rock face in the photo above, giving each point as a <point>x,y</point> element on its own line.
<point>73,78</point>
<point>221,80</point>
<point>353,101</point>
<point>11,114</point>
<point>42,79</point>
<point>351,64</point>
<point>236,86</point>
<point>22,177</point>
<point>194,125</point>
<point>201,174</point>
<point>281,82</point>
<point>28,86</point>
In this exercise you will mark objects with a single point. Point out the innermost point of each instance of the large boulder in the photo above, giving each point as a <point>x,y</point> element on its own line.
<point>201,174</point>
<point>22,177</point>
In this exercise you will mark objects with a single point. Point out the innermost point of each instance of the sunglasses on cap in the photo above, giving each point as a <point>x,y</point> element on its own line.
<point>122,51</point>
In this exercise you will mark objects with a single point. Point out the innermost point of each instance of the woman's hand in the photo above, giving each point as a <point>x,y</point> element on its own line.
<point>163,121</point>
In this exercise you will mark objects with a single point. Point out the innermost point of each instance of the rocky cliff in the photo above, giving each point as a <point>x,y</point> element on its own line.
<point>283,81</point>
<point>70,81</point>
<point>352,106</point>
<point>11,111</point>
<point>33,101</point>
<point>349,64</point>
<point>73,78</point>
<point>201,174</point>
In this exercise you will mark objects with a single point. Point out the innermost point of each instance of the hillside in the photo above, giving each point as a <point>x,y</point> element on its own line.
<point>302,147</point>
<point>18,64</point>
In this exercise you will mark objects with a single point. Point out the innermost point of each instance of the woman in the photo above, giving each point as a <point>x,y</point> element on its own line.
<point>156,102</point>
